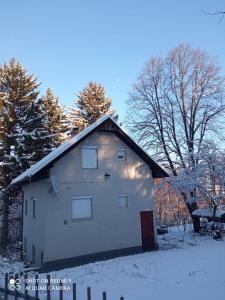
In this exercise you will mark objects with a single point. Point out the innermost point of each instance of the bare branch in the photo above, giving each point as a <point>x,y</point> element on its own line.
<point>218,12</point>
<point>176,104</point>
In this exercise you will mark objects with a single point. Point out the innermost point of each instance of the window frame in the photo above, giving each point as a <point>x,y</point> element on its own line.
<point>119,203</point>
<point>121,150</point>
<point>82,156</point>
<point>77,198</point>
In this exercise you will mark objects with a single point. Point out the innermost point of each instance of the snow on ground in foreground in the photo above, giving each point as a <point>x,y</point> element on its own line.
<point>8,266</point>
<point>193,269</point>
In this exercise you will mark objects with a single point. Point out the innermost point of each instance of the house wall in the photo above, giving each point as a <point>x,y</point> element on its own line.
<point>0,226</point>
<point>111,227</point>
<point>34,228</point>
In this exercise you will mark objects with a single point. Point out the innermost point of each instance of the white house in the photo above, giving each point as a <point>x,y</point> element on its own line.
<point>92,197</point>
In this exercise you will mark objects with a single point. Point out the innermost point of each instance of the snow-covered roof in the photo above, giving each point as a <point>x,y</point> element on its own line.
<point>34,169</point>
<point>208,212</point>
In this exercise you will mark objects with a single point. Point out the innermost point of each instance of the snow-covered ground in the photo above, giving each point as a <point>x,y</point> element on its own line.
<point>190,269</point>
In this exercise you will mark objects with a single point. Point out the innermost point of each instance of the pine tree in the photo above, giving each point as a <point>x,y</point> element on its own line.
<point>19,117</point>
<point>22,131</point>
<point>55,121</point>
<point>91,105</point>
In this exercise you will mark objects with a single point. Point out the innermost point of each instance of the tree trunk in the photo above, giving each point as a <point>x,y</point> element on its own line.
<point>196,224</point>
<point>5,223</point>
<point>191,207</point>
<point>195,220</point>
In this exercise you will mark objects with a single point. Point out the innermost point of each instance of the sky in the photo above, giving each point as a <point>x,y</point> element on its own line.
<point>68,43</point>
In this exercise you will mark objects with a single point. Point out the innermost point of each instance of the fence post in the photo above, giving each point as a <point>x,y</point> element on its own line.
<point>88,293</point>
<point>74,291</point>
<point>6,285</point>
<point>36,286</point>
<point>60,290</point>
<point>48,287</point>
<point>6,281</point>
<point>16,291</point>
<point>26,285</point>
<point>104,295</point>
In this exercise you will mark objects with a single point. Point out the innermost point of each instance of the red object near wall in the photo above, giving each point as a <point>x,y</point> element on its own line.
<point>147,230</point>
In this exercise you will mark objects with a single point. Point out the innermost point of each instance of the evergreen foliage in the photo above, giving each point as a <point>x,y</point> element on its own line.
<point>30,127</point>
<point>20,121</point>
<point>91,105</point>
<point>55,121</point>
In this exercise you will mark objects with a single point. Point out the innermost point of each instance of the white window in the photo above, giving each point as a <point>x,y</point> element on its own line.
<point>82,207</point>
<point>121,154</point>
<point>89,157</point>
<point>123,201</point>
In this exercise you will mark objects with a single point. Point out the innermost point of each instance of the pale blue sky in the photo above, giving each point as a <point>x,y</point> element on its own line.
<point>67,43</point>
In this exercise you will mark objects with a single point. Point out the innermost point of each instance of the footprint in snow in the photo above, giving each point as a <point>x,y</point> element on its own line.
<point>135,266</point>
<point>193,273</point>
<point>138,275</point>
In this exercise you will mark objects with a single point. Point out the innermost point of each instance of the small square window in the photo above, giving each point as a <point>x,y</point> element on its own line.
<point>81,207</point>
<point>123,201</point>
<point>121,154</point>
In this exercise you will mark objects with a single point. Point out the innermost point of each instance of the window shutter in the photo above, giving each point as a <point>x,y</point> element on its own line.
<point>82,207</point>
<point>89,158</point>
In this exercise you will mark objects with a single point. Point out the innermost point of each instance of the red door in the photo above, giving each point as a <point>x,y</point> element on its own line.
<point>147,230</point>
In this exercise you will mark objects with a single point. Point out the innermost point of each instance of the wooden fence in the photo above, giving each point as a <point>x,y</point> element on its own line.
<point>6,292</point>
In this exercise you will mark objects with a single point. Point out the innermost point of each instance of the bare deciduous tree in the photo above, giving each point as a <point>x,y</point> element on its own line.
<point>176,104</point>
